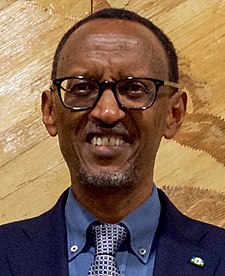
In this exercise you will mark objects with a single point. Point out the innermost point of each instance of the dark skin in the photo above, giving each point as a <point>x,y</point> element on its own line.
<point>109,50</point>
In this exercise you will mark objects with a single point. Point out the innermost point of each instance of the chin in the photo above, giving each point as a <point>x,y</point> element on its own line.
<point>106,179</point>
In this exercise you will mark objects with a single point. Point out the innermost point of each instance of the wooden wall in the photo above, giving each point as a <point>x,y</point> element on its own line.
<point>191,167</point>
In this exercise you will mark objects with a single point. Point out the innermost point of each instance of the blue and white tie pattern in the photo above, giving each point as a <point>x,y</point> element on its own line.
<point>108,238</point>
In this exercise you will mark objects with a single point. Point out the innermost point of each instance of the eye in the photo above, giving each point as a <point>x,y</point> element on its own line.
<point>136,88</point>
<point>79,87</point>
<point>132,89</point>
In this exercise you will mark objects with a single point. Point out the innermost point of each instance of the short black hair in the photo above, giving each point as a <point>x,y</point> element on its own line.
<point>122,14</point>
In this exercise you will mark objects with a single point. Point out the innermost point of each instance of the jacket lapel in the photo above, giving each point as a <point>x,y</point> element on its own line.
<point>178,249</point>
<point>174,258</point>
<point>42,245</point>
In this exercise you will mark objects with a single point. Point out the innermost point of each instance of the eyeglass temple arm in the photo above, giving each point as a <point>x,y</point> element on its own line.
<point>172,84</point>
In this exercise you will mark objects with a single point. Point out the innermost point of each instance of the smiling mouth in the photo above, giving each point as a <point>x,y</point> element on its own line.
<point>107,148</point>
<point>107,141</point>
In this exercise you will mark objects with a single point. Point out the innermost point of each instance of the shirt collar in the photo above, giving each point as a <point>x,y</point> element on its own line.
<point>141,224</point>
<point>77,221</point>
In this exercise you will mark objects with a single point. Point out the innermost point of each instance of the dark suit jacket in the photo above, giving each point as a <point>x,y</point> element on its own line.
<point>38,246</point>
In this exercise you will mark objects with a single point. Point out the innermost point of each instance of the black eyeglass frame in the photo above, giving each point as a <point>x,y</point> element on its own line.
<point>105,84</point>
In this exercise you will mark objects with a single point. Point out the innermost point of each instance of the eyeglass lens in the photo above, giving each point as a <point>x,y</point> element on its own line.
<point>131,93</point>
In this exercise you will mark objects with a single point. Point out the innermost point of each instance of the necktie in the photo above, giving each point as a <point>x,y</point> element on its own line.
<point>108,238</point>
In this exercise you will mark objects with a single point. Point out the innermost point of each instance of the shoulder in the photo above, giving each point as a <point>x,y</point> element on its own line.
<point>188,230</point>
<point>19,231</point>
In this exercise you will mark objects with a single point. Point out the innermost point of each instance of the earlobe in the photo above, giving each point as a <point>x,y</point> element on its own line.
<point>48,113</point>
<point>176,114</point>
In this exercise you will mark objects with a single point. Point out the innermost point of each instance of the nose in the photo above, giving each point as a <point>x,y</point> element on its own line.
<point>107,109</point>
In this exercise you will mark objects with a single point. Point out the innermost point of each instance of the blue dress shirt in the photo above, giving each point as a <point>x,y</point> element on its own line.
<point>136,257</point>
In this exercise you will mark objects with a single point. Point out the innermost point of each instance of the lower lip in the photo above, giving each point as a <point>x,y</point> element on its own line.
<point>106,151</point>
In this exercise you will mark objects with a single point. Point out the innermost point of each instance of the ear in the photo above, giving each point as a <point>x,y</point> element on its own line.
<point>48,113</point>
<point>176,113</point>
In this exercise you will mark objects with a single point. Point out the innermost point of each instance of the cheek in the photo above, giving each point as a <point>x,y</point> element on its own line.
<point>68,125</point>
<point>65,136</point>
<point>68,141</point>
<point>152,127</point>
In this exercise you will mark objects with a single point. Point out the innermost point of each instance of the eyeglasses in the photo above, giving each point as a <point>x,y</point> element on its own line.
<point>80,93</point>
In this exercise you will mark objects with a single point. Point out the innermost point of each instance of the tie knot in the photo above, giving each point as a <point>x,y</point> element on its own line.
<point>108,238</point>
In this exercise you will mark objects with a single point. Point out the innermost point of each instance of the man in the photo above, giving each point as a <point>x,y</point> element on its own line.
<point>114,96</point>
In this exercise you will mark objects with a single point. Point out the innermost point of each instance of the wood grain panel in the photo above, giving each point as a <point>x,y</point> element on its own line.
<point>32,170</point>
<point>31,167</point>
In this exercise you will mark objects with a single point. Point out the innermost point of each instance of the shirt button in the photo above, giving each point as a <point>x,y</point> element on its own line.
<point>74,248</point>
<point>142,251</point>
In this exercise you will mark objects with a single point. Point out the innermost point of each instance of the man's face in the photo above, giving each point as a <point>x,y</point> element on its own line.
<point>106,145</point>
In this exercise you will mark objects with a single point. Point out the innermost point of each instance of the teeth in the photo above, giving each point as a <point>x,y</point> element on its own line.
<point>118,141</point>
<point>112,141</point>
<point>107,141</point>
<point>94,141</point>
<point>99,141</point>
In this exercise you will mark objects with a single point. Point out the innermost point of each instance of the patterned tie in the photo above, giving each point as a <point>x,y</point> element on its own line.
<point>108,238</point>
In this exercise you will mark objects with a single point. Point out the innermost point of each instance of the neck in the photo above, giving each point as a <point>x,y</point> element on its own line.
<point>112,205</point>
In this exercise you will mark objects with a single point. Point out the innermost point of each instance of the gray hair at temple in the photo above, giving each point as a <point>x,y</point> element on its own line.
<point>122,14</point>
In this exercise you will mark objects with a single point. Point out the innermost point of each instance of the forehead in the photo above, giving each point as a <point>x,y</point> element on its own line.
<point>119,37</point>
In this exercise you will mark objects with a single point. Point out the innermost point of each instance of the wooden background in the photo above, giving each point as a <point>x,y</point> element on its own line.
<point>191,167</point>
